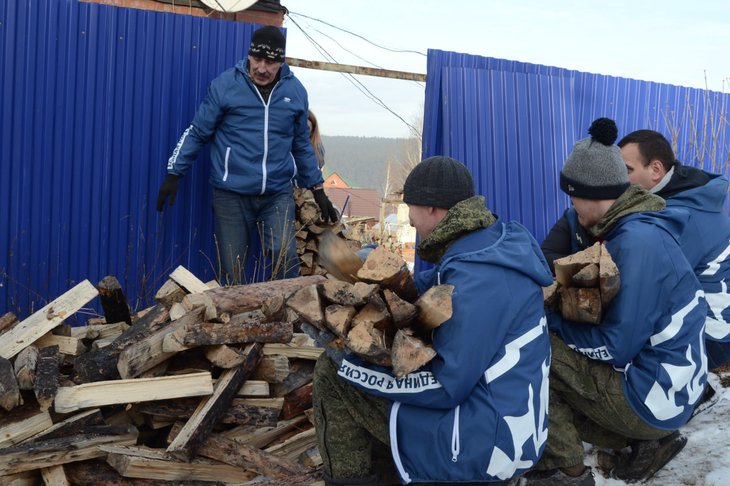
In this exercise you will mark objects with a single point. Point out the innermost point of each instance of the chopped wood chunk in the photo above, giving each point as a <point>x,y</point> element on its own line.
<point>435,306</point>
<point>409,353</point>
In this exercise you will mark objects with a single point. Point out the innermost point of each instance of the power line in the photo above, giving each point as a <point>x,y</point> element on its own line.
<point>354,81</point>
<point>357,35</point>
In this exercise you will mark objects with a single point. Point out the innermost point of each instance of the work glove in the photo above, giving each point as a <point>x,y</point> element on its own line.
<point>168,189</point>
<point>329,213</point>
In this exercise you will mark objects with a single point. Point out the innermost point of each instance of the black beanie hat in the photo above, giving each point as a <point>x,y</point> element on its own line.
<point>268,43</point>
<point>438,181</point>
<point>595,168</point>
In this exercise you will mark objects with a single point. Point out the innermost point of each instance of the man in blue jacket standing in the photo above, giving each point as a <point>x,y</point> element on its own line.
<point>706,240</point>
<point>478,411</point>
<point>635,378</point>
<point>255,117</point>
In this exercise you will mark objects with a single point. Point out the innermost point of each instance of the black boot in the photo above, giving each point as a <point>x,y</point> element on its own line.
<point>647,457</point>
<point>368,481</point>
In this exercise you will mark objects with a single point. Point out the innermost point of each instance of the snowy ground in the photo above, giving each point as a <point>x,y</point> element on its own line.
<point>705,460</point>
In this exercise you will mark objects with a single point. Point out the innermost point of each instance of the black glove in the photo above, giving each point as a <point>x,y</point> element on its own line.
<point>168,188</point>
<point>329,213</point>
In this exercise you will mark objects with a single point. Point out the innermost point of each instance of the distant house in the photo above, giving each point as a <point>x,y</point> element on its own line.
<point>334,180</point>
<point>354,202</point>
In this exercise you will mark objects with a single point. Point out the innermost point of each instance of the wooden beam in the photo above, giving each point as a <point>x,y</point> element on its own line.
<point>351,69</point>
<point>100,393</point>
<point>50,316</point>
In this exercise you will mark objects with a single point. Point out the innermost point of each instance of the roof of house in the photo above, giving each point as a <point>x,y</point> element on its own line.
<point>335,180</point>
<point>361,202</point>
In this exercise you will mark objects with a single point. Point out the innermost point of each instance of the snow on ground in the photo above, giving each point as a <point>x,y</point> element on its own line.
<point>705,460</point>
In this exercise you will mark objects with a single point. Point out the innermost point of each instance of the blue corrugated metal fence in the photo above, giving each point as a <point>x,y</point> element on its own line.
<point>92,101</point>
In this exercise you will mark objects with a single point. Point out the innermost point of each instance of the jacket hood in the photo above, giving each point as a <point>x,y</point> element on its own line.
<point>709,197</point>
<point>512,247</point>
<point>683,178</point>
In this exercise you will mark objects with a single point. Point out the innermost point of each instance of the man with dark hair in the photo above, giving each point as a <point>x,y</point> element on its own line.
<point>255,117</point>
<point>706,241</point>
<point>477,411</point>
<point>633,379</point>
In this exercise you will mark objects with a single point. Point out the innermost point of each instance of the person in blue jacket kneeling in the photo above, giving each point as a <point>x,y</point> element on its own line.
<point>633,379</point>
<point>478,411</point>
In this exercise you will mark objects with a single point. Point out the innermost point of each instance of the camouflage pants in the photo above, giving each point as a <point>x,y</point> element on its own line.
<point>351,427</point>
<point>587,404</point>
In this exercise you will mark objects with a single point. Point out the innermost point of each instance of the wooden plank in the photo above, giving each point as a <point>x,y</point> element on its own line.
<point>147,353</point>
<point>54,476</point>
<point>36,455</point>
<point>184,277</point>
<point>198,427</point>
<point>50,316</point>
<point>113,392</point>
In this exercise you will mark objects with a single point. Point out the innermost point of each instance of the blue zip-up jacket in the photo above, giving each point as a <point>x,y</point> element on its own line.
<point>706,244</point>
<point>653,329</point>
<point>257,147</point>
<point>478,411</point>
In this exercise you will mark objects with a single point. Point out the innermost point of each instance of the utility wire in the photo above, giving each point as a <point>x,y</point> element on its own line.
<point>362,88</point>
<point>356,35</point>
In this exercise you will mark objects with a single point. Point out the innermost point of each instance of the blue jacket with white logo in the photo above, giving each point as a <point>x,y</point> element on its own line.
<point>653,330</point>
<point>478,410</point>
<point>256,147</point>
<point>706,244</point>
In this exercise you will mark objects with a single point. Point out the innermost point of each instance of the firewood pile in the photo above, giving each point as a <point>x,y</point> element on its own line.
<point>585,283</point>
<point>309,227</point>
<point>209,385</point>
<point>374,311</point>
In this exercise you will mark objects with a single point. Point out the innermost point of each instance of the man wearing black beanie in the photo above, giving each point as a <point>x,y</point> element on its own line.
<point>477,411</point>
<point>255,117</point>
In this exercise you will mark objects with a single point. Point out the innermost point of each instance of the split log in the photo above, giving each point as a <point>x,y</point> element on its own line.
<point>191,301</point>
<point>70,346</point>
<point>338,318</point>
<point>76,424</point>
<point>7,320</point>
<point>306,303</point>
<point>581,305</point>
<point>69,399</point>
<point>35,455</point>
<point>272,369</point>
<point>149,352</point>
<point>390,271</point>
<point>586,277</point>
<point>551,296</point>
<point>435,306</point>
<point>210,410</point>
<point>610,280</point>
<point>297,401</point>
<point>295,445</point>
<point>113,301</point>
<point>101,364</point>
<point>223,356</point>
<point>344,293</point>
<point>242,298</point>
<point>135,462</point>
<point>338,258</point>
<point>9,391</point>
<point>96,472</point>
<point>99,331</point>
<point>195,334</point>
<point>375,312</point>
<point>184,278</point>
<point>568,266</point>
<point>241,411</point>
<point>25,333</point>
<point>401,311</point>
<point>54,476</point>
<point>368,342</point>
<point>21,423</point>
<point>46,378</point>
<point>227,451</point>
<point>301,372</point>
<point>261,436</point>
<point>170,293</point>
<point>409,353</point>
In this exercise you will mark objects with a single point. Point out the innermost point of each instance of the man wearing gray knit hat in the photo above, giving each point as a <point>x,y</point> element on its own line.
<point>634,379</point>
<point>444,420</point>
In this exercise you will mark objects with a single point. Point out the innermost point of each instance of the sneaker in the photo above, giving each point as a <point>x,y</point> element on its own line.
<point>556,477</point>
<point>647,457</point>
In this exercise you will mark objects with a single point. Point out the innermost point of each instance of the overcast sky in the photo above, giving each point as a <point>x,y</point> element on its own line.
<point>685,43</point>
